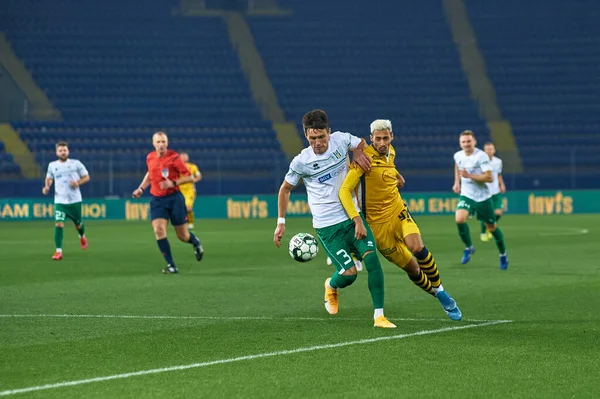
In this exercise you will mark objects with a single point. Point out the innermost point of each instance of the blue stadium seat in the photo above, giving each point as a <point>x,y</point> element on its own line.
<point>543,59</point>
<point>153,70</point>
<point>361,61</point>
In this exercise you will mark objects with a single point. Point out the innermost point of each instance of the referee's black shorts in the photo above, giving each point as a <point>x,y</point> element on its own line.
<point>170,207</point>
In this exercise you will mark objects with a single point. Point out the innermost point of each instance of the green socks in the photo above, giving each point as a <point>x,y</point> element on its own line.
<point>81,230</point>
<point>465,234</point>
<point>371,262</point>
<point>58,237</point>
<point>499,237</point>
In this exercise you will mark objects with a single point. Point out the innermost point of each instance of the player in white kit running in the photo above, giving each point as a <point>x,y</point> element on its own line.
<point>322,166</point>
<point>68,175</point>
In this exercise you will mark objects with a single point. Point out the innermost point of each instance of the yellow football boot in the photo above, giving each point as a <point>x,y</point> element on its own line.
<point>382,322</point>
<point>331,298</point>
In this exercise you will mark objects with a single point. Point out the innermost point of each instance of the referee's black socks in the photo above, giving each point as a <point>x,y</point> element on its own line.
<point>165,249</point>
<point>195,241</point>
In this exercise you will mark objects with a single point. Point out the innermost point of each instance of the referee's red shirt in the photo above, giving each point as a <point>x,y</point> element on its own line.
<point>169,166</point>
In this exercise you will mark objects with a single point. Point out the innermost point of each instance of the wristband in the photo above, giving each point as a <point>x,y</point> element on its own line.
<point>141,189</point>
<point>174,183</point>
<point>280,220</point>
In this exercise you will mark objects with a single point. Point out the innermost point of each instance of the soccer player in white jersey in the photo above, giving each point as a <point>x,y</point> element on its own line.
<point>68,175</point>
<point>472,170</point>
<point>322,166</point>
<point>497,188</point>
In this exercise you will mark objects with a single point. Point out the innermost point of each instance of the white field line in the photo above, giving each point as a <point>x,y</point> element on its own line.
<point>566,232</point>
<point>243,358</point>
<point>224,318</point>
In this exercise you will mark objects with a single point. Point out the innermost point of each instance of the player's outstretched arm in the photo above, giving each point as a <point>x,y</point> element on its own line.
<point>197,177</point>
<point>348,186</point>
<point>350,183</point>
<point>360,157</point>
<point>501,183</point>
<point>183,172</point>
<point>283,199</point>
<point>47,185</point>
<point>182,180</point>
<point>456,186</point>
<point>83,180</point>
<point>485,177</point>
<point>137,193</point>
<point>400,182</point>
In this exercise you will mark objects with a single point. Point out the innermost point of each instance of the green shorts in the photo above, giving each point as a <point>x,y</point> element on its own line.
<point>339,243</point>
<point>497,201</point>
<point>484,210</point>
<point>71,211</point>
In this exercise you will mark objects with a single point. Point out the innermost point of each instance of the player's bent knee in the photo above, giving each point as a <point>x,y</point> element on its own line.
<point>344,281</point>
<point>461,216</point>
<point>412,268</point>
<point>185,237</point>
<point>491,227</point>
<point>160,232</point>
<point>415,248</point>
<point>371,261</point>
<point>414,243</point>
<point>350,272</point>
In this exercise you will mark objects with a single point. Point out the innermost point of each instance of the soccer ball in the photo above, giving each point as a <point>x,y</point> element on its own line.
<point>303,247</point>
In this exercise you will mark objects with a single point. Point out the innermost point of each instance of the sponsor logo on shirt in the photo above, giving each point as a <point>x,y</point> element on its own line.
<point>325,178</point>
<point>336,172</point>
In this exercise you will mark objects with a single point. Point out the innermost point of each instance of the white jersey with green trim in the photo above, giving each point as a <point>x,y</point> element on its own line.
<point>323,176</point>
<point>494,186</point>
<point>63,174</point>
<point>476,163</point>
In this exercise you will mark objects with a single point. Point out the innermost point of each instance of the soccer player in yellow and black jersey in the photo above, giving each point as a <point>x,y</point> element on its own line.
<point>189,189</point>
<point>397,235</point>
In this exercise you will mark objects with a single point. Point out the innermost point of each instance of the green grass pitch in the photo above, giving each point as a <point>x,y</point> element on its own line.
<point>248,321</point>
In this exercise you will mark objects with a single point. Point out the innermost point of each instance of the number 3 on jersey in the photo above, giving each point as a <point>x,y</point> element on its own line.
<point>347,258</point>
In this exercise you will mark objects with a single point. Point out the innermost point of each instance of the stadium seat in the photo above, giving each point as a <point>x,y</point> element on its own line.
<point>156,70</point>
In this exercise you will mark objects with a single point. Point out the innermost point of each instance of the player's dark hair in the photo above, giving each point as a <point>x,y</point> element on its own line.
<point>489,143</point>
<point>315,119</point>
<point>62,144</point>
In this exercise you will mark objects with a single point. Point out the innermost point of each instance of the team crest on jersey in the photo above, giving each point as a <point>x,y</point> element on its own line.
<point>337,154</point>
<point>165,173</point>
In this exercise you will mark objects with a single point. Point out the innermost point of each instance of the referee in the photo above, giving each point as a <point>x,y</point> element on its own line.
<point>166,171</point>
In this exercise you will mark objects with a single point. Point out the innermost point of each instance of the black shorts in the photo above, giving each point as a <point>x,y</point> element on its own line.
<point>170,207</point>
